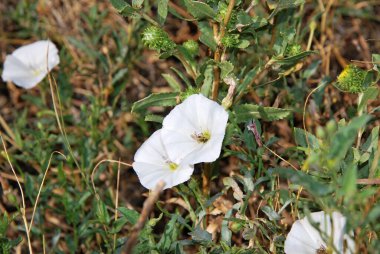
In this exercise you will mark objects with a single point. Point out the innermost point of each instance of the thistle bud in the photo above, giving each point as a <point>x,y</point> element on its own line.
<point>157,39</point>
<point>293,49</point>
<point>351,79</point>
<point>192,47</point>
<point>230,40</point>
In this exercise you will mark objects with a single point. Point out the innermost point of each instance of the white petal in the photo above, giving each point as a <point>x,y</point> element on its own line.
<point>151,164</point>
<point>18,73</point>
<point>325,231</point>
<point>29,64</point>
<point>208,152</point>
<point>194,116</point>
<point>300,241</point>
<point>36,55</point>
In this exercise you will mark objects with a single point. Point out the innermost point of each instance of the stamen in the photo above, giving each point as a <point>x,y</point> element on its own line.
<point>172,166</point>
<point>202,137</point>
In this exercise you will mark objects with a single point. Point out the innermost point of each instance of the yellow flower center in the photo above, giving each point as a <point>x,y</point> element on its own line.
<point>202,137</point>
<point>173,166</point>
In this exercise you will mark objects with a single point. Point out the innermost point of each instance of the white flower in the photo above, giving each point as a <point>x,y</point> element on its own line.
<point>306,239</point>
<point>195,128</point>
<point>152,164</point>
<point>29,64</point>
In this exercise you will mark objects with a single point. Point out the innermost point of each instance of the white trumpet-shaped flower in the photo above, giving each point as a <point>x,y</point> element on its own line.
<point>306,239</point>
<point>152,164</point>
<point>29,64</point>
<point>195,129</point>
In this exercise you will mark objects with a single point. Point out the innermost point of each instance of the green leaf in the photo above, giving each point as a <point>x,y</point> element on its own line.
<point>207,36</point>
<point>182,76</point>
<point>310,183</point>
<point>246,112</point>
<point>200,235</point>
<point>172,82</point>
<point>169,236</point>
<point>282,4</point>
<point>272,215</point>
<point>226,69</point>
<point>370,93</point>
<point>345,137</point>
<point>156,99</point>
<point>131,215</point>
<point>119,5</point>
<point>154,118</point>
<point>207,82</point>
<point>137,3</point>
<point>289,61</point>
<point>162,10</point>
<point>199,9</point>
<point>349,182</point>
<point>299,135</point>
<point>102,213</point>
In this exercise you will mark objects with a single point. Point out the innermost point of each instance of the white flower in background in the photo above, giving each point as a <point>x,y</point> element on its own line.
<point>29,64</point>
<point>306,239</point>
<point>152,164</point>
<point>195,129</point>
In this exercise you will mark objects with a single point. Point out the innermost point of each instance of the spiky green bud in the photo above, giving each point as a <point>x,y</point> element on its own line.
<point>192,47</point>
<point>293,49</point>
<point>351,79</point>
<point>230,40</point>
<point>189,91</point>
<point>157,39</point>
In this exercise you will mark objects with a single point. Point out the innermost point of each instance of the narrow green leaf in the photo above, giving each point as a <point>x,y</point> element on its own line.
<point>207,82</point>
<point>370,93</point>
<point>155,99</point>
<point>207,36</point>
<point>292,60</point>
<point>349,182</point>
<point>299,135</point>
<point>131,215</point>
<point>154,118</point>
<point>246,112</point>
<point>199,9</point>
<point>162,10</point>
<point>172,82</point>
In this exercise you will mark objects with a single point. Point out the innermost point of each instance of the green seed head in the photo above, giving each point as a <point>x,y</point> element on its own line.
<point>192,47</point>
<point>293,49</point>
<point>230,40</point>
<point>351,79</point>
<point>157,39</point>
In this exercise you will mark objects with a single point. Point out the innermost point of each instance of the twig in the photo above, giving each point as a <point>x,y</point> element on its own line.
<point>368,181</point>
<point>216,82</point>
<point>96,167</point>
<point>147,208</point>
<point>42,184</point>
<point>23,208</point>
<point>116,201</point>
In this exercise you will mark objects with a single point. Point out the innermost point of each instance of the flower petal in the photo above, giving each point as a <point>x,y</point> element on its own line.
<point>35,55</point>
<point>28,65</point>
<point>18,73</point>
<point>151,164</point>
<point>196,115</point>
<point>299,240</point>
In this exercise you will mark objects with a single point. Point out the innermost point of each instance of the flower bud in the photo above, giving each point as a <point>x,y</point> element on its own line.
<point>230,40</point>
<point>192,47</point>
<point>351,79</point>
<point>293,49</point>
<point>157,39</point>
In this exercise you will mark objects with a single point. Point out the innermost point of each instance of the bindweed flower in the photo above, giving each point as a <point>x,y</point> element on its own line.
<point>29,64</point>
<point>195,129</point>
<point>306,239</point>
<point>152,164</point>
